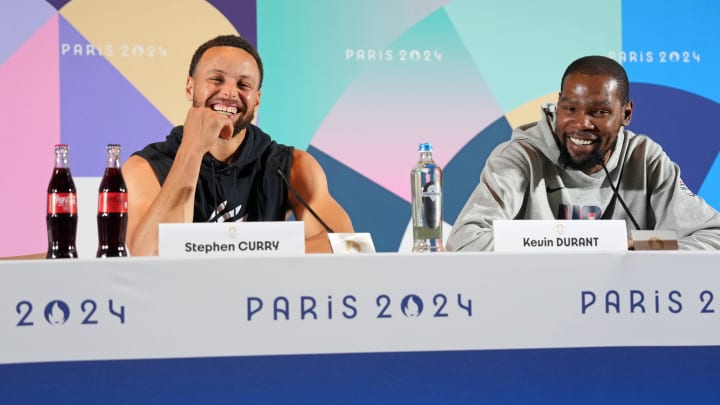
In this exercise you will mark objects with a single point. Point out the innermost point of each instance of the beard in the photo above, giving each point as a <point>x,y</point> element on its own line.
<point>566,161</point>
<point>241,124</point>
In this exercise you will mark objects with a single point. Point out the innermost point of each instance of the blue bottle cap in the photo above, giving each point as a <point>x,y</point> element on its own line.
<point>425,147</point>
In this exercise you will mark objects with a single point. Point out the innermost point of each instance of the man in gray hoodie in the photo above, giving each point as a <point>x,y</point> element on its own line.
<point>565,165</point>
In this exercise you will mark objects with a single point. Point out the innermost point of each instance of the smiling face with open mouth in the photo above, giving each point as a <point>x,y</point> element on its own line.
<point>227,81</point>
<point>590,114</point>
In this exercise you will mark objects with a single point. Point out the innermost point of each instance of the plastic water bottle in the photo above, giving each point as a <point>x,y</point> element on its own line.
<point>426,183</point>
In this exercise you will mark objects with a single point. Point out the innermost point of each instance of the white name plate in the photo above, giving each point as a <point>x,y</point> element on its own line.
<point>530,235</point>
<point>231,239</point>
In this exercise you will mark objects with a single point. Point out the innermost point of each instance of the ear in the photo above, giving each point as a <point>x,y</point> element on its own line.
<point>189,88</point>
<point>627,113</point>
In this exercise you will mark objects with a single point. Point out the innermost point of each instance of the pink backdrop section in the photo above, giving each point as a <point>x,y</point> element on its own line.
<point>31,75</point>
<point>361,131</point>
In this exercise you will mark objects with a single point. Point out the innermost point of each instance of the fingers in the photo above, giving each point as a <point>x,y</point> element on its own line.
<point>226,132</point>
<point>204,126</point>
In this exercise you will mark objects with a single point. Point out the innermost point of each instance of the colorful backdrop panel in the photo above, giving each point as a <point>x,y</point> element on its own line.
<point>359,85</point>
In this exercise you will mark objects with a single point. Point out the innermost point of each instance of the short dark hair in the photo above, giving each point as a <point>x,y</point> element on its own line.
<point>601,65</point>
<point>227,40</point>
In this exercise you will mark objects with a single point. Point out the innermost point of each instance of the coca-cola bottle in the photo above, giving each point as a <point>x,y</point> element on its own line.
<point>61,208</point>
<point>112,214</point>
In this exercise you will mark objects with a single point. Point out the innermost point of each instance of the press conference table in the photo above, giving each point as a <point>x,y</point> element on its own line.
<point>367,328</point>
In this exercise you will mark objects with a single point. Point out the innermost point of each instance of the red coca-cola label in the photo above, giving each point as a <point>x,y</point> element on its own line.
<point>62,203</point>
<point>112,202</point>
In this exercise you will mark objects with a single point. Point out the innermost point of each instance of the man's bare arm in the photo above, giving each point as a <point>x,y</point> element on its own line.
<point>150,205</point>
<point>309,180</point>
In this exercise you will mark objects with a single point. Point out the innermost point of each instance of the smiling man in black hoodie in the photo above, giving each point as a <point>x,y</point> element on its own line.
<point>218,166</point>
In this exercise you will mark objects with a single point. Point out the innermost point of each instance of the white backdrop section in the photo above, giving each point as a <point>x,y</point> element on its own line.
<point>126,308</point>
<point>87,235</point>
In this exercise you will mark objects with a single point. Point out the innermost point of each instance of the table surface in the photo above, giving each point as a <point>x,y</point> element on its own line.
<point>418,328</point>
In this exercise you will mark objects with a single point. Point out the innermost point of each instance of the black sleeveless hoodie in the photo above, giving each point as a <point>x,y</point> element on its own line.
<point>248,189</point>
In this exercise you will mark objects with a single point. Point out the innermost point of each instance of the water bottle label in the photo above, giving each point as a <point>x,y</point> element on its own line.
<point>432,207</point>
<point>431,191</point>
<point>112,202</point>
<point>62,203</point>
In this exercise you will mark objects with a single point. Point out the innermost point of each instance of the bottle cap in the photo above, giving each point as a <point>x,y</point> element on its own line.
<point>425,147</point>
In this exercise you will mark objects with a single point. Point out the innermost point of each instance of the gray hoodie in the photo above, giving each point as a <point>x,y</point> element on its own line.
<point>522,180</point>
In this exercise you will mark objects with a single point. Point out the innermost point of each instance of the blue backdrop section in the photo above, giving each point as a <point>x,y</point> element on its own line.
<point>681,39</point>
<point>462,173</point>
<point>371,207</point>
<point>709,190</point>
<point>242,14</point>
<point>678,121</point>
<point>676,375</point>
<point>58,4</point>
